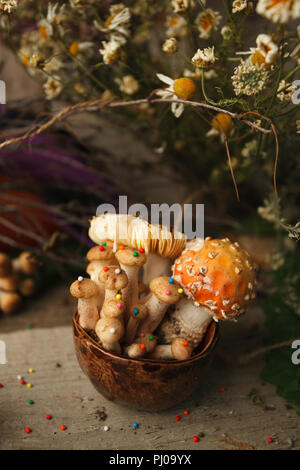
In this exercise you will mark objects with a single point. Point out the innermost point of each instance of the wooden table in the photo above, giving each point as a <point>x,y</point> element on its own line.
<point>228,419</point>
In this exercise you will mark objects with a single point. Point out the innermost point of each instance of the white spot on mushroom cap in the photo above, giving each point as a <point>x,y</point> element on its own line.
<point>80,278</point>
<point>112,330</point>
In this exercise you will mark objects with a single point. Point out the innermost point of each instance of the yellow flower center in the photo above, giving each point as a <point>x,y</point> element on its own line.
<point>174,21</point>
<point>25,60</point>
<point>108,21</point>
<point>206,22</point>
<point>257,58</point>
<point>273,3</point>
<point>222,122</point>
<point>184,88</point>
<point>74,48</point>
<point>43,32</point>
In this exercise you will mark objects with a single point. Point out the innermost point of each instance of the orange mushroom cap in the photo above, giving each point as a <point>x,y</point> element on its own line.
<point>219,275</point>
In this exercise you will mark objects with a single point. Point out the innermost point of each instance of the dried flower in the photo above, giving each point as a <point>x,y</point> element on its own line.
<point>279,11</point>
<point>204,57</point>
<point>128,85</point>
<point>182,88</point>
<point>170,46</point>
<point>8,6</point>
<point>207,21</point>
<point>239,5</point>
<point>52,87</point>
<point>285,91</point>
<point>176,26</point>
<point>226,32</point>
<point>116,25</point>
<point>54,18</point>
<point>78,47</point>
<point>248,79</point>
<point>267,48</point>
<point>53,65</point>
<point>180,6</point>
<point>110,51</point>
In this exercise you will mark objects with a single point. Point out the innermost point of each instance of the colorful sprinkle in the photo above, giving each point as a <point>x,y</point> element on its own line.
<point>142,335</point>
<point>31,402</point>
<point>48,417</point>
<point>28,430</point>
<point>142,250</point>
<point>185,343</point>
<point>112,331</point>
<point>104,244</point>
<point>63,427</point>
<point>186,412</point>
<point>122,247</point>
<point>106,428</point>
<point>31,371</point>
<point>222,389</point>
<point>171,280</point>
<point>180,291</point>
<point>1,385</point>
<point>270,440</point>
<point>178,418</point>
<point>30,325</point>
<point>105,269</point>
<point>22,382</point>
<point>135,254</point>
<point>151,338</point>
<point>142,346</point>
<point>168,292</point>
<point>135,311</point>
<point>29,385</point>
<point>19,377</point>
<point>117,271</point>
<point>118,297</point>
<point>101,248</point>
<point>80,278</point>
<point>135,425</point>
<point>195,438</point>
<point>119,305</point>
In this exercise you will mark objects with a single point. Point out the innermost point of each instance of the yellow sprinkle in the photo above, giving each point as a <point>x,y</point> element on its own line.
<point>118,296</point>
<point>29,385</point>
<point>30,371</point>
<point>180,291</point>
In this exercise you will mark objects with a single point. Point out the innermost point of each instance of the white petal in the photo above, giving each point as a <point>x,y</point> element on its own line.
<point>165,79</point>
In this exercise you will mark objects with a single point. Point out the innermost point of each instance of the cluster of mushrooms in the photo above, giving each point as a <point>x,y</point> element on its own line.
<point>151,293</point>
<point>16,281</point>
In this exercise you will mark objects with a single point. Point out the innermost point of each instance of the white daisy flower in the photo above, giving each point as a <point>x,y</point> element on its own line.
<point>176,26</point>
<point>204,57</point>
<point>265,54</point>
<point>8,6</point>
<point>54,18</point>
<point>170,46</point>
<point>279,11</point>
<point>110,51</point>
<point>52,87</point>
<point>207,21</point>
<point>128,85</point>
<point>182,88</point>
<point>117,26</point>
<point>239,5</point>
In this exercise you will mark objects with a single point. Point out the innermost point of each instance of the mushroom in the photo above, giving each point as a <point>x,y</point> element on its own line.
<point>138,312</point>
<point>110,331</point>
<point>131,261</point>
<point>180,349</point>
<point>10,302</point>
<point>164,292</point>
<point>10,283</point>
<point>25,263</point>
<point>100,256</point>
<point>114,280</point>
<point>86,291</point>
<point>5,265</point>
<point>27,287</point>
<point>113,308</point>
<point>145,344</point>
<point>158,242</point>
<point>218,278</point>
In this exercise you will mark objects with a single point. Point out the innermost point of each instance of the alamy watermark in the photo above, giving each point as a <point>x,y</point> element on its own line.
<point>186,218</point>
<point>296,94</point>
<point>3,359</point>
<point>296,354</point>
<point>2,92</point>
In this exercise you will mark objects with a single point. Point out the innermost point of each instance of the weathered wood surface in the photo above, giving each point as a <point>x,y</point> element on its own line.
<point>229,420</point>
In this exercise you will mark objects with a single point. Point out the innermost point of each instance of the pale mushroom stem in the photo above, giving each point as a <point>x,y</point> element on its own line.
<point>130,293</point>
<point>156,312</point>
<point>156,266</point>
<point>162,351</point>
<point>113,347</point>
<point>88,312</point>
<point>131,330</point>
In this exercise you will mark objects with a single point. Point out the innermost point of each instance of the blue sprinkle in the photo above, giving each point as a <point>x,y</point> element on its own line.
<point>171,280</point>
<point>135,425</point>
<point>135,311</point>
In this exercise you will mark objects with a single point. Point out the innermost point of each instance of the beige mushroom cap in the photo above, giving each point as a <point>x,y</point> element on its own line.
<point>27,287</point>
<point>100,253</point>
<point>139,311</point>
<point>113,308</point>
<point>165,291</point>
<point>109,330</point>
<point>10,283</point>
<point>90,269</point>
<point>112,278</point>
<point>10,302</point>
<point>84,289</point>
<point>27,262</point>
<point>5,265</point>
<point>131,257</point>
<point>181,349</point>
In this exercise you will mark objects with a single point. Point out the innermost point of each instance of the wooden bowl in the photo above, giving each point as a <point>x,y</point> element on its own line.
<point>143,384</point>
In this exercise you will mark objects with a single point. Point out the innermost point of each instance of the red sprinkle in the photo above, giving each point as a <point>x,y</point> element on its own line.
<point>106,268</point>
<point>142,346</point>
<point>22,382</point>
<point>186,412</point>
<point>270,440</point>
<point>178,418</point>
<point>101,248</point>
<point>195,438</point>
<point>63,427</point>
<point>1,385</point>
<point>142,250</point>
<point>222,389</point>
<point>28,430</point>
<point>185,343</point>
<point>48,417</point>
<point>122,247</point>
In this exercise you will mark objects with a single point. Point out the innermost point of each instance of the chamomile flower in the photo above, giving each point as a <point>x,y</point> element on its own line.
<point>207,21</point>
<point>248,79</point>
<point>128,85</point>
<point>226,32</point>
<point>52,65</point>
<point>180,6</point>
<point>117,26</point>
<point>55,17</point>
<point>285,91</point>
<point>77,48</point>
<point>8,6</point>
<point>221,126</point>
<point>265,55</point>
<point>239,5</point>
<point>170,46</point>
<point>176,26</point>
<point>279,11</point>
<point>52,87</point>
<point>204,57</point>
<point>110,51</point>
<point>182,88</point>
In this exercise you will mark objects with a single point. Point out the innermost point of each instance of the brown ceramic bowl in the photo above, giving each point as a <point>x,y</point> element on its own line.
<point>143,384</point>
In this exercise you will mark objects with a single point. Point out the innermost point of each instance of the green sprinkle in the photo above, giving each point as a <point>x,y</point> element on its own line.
<point>104,244</point>
<point>31,402</point>
<point>30,325</point>
<point>135,254</point>
<point>151,338</point>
